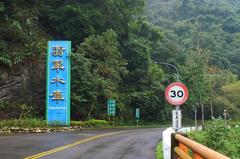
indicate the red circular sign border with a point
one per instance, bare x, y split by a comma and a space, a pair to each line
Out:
180, 85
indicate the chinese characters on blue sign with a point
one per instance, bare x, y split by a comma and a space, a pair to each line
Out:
58, 83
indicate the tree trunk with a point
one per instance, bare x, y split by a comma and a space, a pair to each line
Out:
202, 110
211, 105
20, 116
90, 111
211, 99
195, 110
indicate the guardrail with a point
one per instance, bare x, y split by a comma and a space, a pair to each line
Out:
185, 148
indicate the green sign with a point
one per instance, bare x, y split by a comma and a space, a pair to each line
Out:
111, 107
137, 113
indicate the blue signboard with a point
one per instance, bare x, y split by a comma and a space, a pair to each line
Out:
58, 83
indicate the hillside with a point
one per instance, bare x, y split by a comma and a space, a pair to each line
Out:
213, 24
206, 35
110, 53
115, 45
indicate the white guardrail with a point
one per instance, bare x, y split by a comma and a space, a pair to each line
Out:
167, 139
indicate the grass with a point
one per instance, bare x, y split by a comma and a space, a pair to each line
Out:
34, 123
159, 151
39, 123
23, 123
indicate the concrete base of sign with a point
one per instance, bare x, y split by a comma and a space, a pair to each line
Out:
167, 143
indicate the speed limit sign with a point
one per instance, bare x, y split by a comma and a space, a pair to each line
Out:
176, 93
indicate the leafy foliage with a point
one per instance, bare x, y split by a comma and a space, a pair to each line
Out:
14, 110
38, 123
18, 33
98, 70
220, 138
206, 35
213, 24
90, 123
115, 47
159, 151
23, 123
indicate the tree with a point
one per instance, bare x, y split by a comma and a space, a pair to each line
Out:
231, 93
217, 79
196, 77
101, 76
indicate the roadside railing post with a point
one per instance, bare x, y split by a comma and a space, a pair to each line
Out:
174, 143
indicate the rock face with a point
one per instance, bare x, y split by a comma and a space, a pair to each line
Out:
26, 81
9, 88
25, 85
23, 46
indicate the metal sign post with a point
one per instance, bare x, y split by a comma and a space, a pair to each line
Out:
137, 115
111, 110
176, 94
58, 83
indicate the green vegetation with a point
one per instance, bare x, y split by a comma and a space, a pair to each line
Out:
23, 123
38, 123
112, 47
90, 123
204, 34
159, 151
115, 45
220, 138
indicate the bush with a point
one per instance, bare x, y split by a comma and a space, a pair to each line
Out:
23, 123
199, 136
220, 138
14, 110
77, 123
159, 151
33, 123
90, 123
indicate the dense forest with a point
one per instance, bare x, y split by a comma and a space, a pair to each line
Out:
205, 33
115, 47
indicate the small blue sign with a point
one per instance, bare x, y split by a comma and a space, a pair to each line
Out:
58, 83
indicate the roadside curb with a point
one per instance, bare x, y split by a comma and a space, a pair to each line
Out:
39, 130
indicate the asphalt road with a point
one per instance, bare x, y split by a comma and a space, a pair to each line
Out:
85, 144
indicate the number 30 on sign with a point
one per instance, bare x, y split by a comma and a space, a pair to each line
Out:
176, 93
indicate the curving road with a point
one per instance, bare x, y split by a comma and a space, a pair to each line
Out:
87, 144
